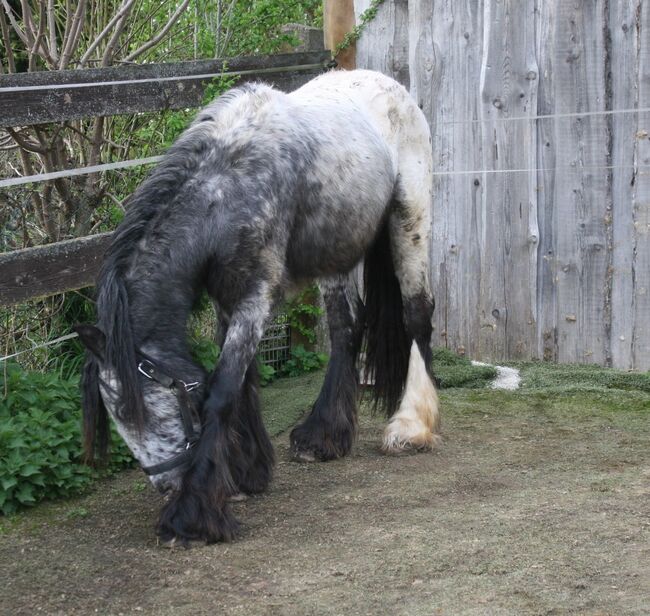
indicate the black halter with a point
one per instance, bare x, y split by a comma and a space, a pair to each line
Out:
147, 367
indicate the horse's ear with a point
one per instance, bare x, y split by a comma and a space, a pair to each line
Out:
93, 339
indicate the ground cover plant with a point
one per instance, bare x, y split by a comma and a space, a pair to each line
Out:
40, 440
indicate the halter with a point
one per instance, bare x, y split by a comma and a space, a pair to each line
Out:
147, 367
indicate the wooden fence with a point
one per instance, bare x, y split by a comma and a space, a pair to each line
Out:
541, 233
35, 98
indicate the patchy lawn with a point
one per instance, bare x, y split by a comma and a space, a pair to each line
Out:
538, 502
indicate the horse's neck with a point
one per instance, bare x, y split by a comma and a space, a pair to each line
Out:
159, 313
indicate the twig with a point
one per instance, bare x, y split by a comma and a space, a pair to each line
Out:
26, 144
161, 34
74, 34
51, 26
11, 64
120, 16
14, 24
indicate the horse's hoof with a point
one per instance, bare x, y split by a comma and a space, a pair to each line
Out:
302, 455
175, 542
396, 444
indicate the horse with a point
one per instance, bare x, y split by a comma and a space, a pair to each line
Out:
264, 192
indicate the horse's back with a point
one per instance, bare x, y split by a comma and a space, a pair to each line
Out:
385, 102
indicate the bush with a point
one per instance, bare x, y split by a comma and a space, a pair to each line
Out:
40, 439
302, 361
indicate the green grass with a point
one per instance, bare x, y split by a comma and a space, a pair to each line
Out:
451, 370
571, 378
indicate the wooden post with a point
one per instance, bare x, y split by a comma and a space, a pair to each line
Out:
338, 20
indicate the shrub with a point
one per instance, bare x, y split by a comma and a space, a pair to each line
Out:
302, 361
40, 439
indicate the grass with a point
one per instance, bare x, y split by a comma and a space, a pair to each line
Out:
571, 378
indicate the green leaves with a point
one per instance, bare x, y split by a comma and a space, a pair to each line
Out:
303, 361
40, 440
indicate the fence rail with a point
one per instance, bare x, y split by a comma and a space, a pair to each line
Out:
56, 96
35, 98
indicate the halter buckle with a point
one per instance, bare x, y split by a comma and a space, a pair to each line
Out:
148, 372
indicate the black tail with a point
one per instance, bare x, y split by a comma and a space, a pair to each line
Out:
387, 344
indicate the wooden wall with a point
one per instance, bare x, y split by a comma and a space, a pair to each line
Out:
550, 261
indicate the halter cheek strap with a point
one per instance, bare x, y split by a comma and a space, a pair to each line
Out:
149, 369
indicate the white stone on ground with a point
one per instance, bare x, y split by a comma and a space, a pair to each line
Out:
507, 378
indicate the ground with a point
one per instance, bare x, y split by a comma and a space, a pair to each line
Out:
538, 502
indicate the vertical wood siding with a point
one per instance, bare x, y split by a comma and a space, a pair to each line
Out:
551, 261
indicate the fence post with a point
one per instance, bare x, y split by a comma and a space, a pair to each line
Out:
338, 20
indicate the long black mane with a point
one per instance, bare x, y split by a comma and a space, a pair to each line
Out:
114, 318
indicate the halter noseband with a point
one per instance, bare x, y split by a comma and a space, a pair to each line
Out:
149, 369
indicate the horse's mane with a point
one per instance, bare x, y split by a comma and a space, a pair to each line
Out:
112, 299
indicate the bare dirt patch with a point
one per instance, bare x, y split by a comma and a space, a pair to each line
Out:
536, 504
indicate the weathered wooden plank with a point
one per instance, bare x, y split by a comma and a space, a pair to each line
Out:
508, 88
446, 41
641, 202
577, 200
34, 98
55, 268
383, 45
547, 299
624, 42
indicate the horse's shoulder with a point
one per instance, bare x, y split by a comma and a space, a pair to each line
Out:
247, 97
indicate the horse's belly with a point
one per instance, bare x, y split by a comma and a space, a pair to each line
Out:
335, 236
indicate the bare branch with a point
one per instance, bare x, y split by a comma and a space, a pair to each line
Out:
14, 23
30, 28
74, 34
51, 27
109, 52
119, 18
11, 64
25, 143
39, 40
161, 34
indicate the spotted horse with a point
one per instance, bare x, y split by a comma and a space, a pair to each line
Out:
264, 192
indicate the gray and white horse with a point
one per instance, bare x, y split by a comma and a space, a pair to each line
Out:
263, 192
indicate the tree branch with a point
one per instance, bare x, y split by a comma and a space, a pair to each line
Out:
26, 144
119, 18
51, 27
11, 64
161, 34
14, 24
74, 34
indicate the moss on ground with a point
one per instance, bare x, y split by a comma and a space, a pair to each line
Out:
451, 370
568, 378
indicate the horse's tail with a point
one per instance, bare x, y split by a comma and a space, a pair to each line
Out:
387, 342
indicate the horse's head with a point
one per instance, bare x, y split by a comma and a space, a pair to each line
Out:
152, 400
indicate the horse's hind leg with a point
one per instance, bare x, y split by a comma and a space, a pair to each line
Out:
416, 424
330, 429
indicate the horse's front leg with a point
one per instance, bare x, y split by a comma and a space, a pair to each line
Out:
200, 510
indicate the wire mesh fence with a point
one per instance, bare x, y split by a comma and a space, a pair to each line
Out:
275, 347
